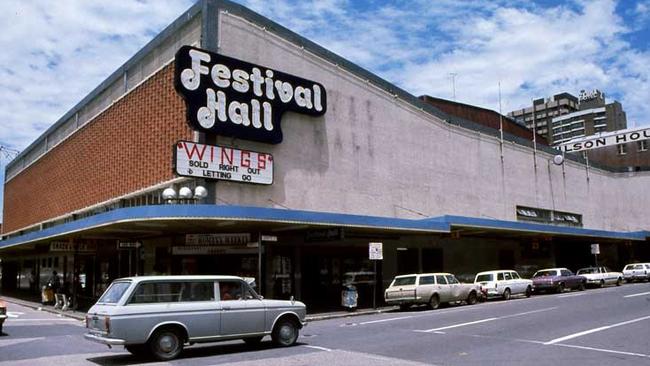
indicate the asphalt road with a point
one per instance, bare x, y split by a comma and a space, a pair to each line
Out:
608, 326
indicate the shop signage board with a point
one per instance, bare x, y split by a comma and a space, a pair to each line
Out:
217, 239
230, 97
128, 244
269, 238
217, 162
211, 250
604, 140
375, 251
65, 246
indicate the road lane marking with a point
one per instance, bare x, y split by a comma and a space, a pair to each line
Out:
437, 330
320, 348
640, 294
384, 320
45, 320
528, 312
456, 325
571, 295
580, 334
603, 350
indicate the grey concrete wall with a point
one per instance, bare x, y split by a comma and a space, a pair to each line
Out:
374, 154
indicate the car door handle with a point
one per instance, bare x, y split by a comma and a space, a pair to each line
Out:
226, 308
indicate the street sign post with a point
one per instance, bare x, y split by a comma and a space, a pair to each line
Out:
595, 250
375, 253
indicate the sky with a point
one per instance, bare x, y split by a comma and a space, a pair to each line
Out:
55, 52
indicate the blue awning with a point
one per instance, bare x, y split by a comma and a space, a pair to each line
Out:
219, 213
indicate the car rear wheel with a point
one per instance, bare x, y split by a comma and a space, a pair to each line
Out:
506, 294
619, 282
529, 291
602, 283
560, 288
582, 286
471, 299
285, 333
434, 302
166, 344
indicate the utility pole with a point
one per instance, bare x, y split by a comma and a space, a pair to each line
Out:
453, 85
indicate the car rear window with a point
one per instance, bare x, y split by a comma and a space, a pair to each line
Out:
114, 292
545, 273
587, 270
403, 281
484, 278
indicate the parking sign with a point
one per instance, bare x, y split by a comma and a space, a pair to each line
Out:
375, 251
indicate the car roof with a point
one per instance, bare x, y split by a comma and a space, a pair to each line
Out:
553, 269
496, 271
179, 278
426, 274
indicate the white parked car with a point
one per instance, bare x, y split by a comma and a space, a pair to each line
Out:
637, 272
431, 289
601, 276
503, 283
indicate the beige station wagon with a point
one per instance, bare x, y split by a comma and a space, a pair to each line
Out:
431, 289
159, 315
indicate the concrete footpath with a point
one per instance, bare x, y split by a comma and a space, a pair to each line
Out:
82, 315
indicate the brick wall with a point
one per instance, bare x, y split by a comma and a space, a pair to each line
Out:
126, 148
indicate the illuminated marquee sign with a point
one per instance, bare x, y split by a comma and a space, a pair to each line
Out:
217, 162
234, 98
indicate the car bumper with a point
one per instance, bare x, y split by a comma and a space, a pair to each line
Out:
104, 340
544, 286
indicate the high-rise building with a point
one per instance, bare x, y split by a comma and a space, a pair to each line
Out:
545, 110
565, 117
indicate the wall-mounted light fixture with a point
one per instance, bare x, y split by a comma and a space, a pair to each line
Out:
184, 194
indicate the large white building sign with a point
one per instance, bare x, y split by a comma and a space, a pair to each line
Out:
192, 159
611, 139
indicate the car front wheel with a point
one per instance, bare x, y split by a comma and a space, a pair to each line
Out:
529, 291
471, 299
619, 281
434, 302
285, 333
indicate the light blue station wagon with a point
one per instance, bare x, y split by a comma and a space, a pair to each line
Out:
159, 315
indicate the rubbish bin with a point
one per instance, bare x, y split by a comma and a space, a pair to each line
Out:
349, 297
47, 295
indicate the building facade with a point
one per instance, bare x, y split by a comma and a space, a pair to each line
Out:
545, 110
231, 145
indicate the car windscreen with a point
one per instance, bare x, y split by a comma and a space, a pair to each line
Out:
545, 273
484, 278
114, 292
404, 281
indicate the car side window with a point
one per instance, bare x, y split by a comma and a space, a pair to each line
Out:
515, 275
500, 277
172, 291
426, 280
230, 290
441, 280
451, 279
566, 273
507, 276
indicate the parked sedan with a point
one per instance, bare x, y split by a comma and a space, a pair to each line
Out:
503, 284
3, 314
429, 288
557, 279
601, 276
637, 272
